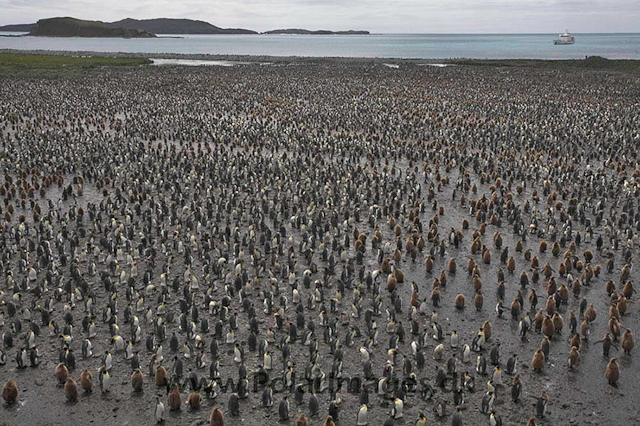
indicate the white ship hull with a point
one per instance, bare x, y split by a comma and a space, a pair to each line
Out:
563, 39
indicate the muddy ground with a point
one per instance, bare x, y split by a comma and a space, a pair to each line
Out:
578, 397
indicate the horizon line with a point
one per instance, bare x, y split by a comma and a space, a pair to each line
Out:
372, 33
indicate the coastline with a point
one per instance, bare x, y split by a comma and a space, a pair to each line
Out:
391, 47
590, 63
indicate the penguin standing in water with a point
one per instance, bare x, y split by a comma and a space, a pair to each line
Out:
361, 418
283, 409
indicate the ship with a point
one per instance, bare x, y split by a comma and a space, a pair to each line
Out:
564, 38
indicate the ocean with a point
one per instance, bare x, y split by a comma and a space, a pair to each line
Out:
421, 46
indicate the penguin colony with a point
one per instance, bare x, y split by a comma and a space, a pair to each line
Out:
471, 230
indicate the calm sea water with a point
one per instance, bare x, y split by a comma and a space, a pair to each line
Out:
435, 46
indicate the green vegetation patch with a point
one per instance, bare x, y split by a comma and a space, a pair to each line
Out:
37, 66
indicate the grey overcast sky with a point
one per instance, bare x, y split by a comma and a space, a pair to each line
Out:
380, 16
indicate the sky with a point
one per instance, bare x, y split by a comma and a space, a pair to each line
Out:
378, 16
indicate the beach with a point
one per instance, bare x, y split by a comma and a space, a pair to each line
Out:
238, 184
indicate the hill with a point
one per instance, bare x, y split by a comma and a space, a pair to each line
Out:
71, 27
128, 28
298, 31
25, 28
177, 26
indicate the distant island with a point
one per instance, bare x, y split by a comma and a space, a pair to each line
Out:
298, 31
134, 28
71, 27
177, 26
19, 28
